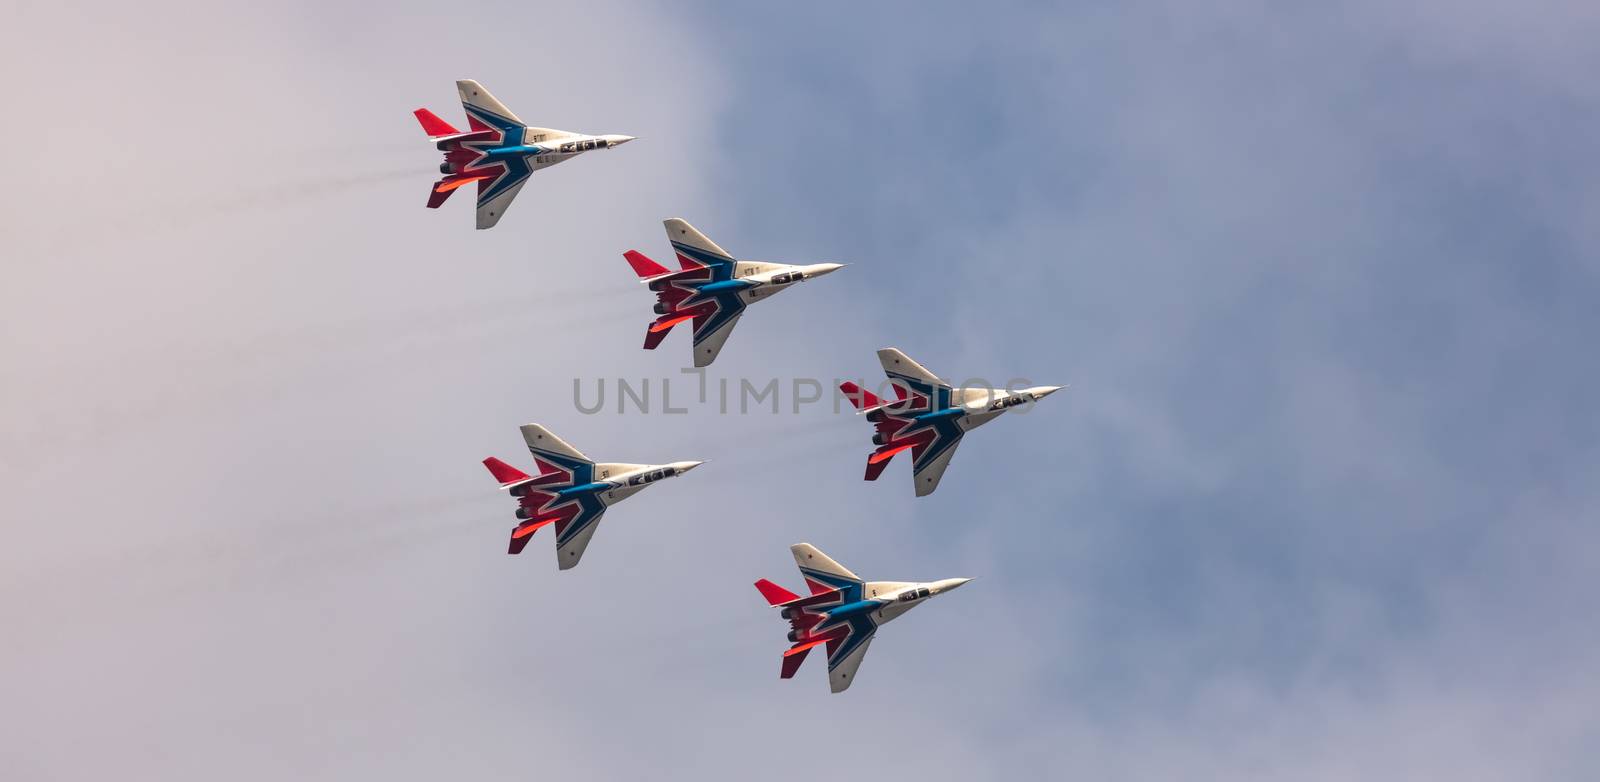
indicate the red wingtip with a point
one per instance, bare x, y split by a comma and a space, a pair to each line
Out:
432, 125
858, 396
643, 266
504, 473
775, 595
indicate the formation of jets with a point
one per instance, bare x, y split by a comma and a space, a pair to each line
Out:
710, 289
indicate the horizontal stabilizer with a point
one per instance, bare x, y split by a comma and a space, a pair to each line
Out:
860, 397
875, 467
524, 533
643, 265
654, 337
519, 542
793, 657
433, 126
775, 595
543, 443
666, 322
439, 193
505, 473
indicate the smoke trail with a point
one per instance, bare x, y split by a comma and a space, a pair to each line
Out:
272, 365
144, 219
288, 193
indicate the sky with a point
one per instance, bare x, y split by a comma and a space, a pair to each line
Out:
1319, 502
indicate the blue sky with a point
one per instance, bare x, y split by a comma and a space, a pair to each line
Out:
1319, 502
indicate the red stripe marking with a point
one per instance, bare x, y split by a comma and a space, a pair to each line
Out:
883, 456
805, 647
528, 529
667, 324
451, 184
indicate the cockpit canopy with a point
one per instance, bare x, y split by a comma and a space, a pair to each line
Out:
583, 146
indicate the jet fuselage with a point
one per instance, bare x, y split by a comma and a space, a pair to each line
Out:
885, 601
533, 150
613, 483
752, 285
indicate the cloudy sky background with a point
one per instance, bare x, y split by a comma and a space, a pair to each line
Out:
1320, 503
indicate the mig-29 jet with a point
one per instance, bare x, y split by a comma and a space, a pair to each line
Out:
497, 151
842, 611
712, 288
571, 491
929, 416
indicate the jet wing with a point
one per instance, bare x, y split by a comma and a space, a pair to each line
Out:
928, 467
494, 197
842, 666
573, 537
708, 346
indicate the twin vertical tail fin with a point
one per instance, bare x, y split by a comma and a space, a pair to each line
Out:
669, 297
486, 119
885, 416
799, 622
505, 473
775, 595
560, 466
860, 397
827, 581
457, 159
515, 480
644, 266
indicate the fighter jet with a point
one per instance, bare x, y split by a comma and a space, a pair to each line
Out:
498, 151
842, 611
571, 491
929, 416
711, 288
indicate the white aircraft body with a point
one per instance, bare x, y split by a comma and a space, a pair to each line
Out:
711, 288
571, 491
842, 611
929, 417
498, 151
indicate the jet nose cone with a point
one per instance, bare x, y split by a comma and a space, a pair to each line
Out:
948, 584
820, 269
617, 141
1040, 392
684, 467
